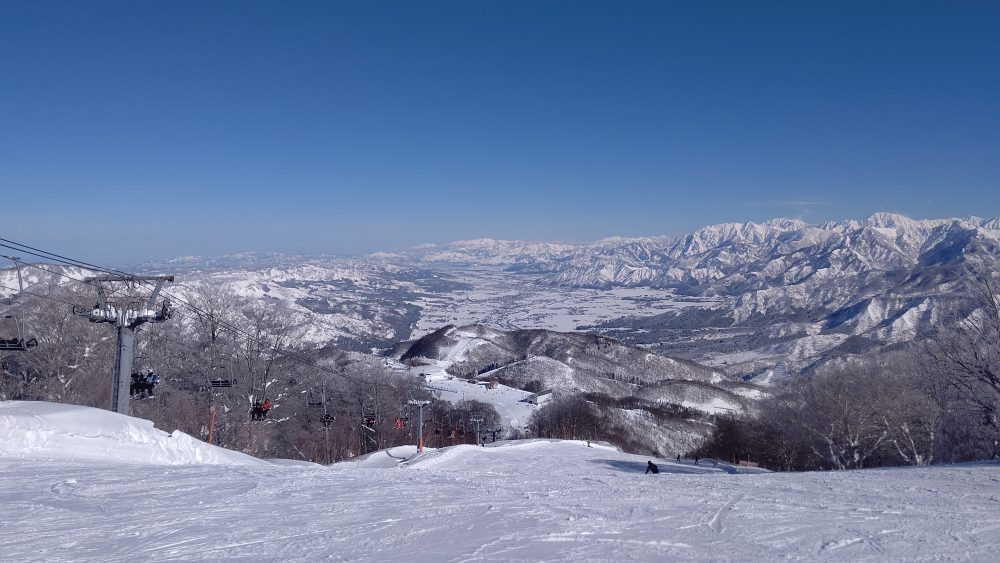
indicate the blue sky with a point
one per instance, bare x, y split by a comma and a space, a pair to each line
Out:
138, 130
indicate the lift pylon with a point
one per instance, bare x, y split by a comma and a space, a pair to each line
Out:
420, 424
127, 315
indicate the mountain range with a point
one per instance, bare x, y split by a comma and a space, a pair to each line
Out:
778, 291
741, 297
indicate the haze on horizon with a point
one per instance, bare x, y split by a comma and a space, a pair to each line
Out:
140, 131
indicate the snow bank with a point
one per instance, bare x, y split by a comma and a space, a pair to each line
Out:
41, 431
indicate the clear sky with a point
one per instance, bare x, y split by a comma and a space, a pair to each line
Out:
133, 130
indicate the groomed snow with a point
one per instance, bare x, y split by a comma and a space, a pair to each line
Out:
521, 501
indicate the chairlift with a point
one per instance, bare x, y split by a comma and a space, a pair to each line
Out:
222, 383
327, 420
14, 340
143, 384
368, 413
12, 335
259, 410
314, 399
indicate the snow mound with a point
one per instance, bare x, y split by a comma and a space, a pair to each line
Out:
41, 431
386, 458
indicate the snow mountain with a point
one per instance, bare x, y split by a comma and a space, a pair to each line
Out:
784, 290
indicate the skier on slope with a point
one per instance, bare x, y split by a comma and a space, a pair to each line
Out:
652, 468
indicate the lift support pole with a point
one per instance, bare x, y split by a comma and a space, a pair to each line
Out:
127, 318
123, 369
420, 421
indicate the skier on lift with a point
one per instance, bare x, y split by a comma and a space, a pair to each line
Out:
151, 381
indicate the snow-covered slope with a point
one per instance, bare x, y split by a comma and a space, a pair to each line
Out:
41, 431
525, 501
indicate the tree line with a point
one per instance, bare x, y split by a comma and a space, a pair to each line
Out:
936, 402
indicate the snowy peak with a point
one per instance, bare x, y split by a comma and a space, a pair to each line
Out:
489, 252
885, 228
888, 220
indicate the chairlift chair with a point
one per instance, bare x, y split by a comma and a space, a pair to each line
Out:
12, 336
315, 400
15, 341
222, 383
368, 413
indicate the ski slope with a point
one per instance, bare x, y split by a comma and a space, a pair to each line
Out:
518, 501
510, 403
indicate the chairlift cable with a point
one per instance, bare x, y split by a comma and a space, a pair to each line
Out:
52, 255
39, 295
60, 274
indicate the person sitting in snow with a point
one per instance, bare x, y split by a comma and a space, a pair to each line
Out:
652, 468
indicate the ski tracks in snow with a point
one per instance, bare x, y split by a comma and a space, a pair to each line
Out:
543, 501
717, 522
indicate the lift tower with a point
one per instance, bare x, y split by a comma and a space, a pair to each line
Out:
127, 314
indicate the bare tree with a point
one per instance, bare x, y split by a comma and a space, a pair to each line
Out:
967, 354
72, 362
570, 418
838, 410
910, 414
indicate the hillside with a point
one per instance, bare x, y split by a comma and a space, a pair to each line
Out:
567, 362
658, 402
